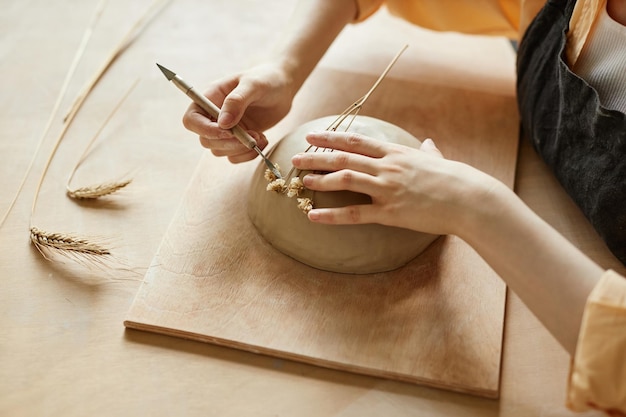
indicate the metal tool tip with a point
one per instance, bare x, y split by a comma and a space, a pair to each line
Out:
272, 167
168, 74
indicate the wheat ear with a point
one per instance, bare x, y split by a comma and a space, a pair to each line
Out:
64, 243
82, 246
96, 191
99, 190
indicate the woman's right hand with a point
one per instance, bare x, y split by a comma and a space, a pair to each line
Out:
256, 99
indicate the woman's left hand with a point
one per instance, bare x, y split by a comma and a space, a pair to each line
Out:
411, 188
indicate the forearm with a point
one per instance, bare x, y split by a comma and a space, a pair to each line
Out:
313, 27
551, 276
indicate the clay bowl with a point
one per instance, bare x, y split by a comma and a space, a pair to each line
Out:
353, 249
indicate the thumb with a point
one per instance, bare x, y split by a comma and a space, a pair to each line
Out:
234, 106
429, 147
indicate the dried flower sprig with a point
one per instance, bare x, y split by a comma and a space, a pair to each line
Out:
305, 204
296, 186
278, 186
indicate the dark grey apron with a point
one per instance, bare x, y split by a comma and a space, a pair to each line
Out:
583, 143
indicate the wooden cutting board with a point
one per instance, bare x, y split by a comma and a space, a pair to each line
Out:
437, 321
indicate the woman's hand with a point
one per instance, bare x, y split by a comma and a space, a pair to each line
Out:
420, 190
257, 99
260, 97
411, 188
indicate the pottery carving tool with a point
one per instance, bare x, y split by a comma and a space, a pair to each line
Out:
213, 111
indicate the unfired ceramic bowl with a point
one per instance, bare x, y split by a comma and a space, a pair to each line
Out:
354, 249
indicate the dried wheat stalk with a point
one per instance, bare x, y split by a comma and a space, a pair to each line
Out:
126, 41
98, 190
65, 243
355, 107
70, 73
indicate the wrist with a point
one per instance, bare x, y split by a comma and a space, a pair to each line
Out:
485, 204
292, 72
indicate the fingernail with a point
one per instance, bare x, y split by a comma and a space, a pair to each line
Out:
225, 119
308, 179
224, 134
295, 160
314, 133
314, 215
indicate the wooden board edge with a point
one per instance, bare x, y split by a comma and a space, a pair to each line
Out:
490, 394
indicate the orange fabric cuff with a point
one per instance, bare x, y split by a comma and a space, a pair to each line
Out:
366, 8
598, 372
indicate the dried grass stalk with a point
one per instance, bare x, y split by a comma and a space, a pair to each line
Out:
126, 41
70, 73
354, 108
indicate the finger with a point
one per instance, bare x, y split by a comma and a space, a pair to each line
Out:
235, 105
261, 139
334, 161
343, 180
229, 143
429, 147
249, 154
225, 146
358, 214
232, 145
233, 149
350, 142
200, 123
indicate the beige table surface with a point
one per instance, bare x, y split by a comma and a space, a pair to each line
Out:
63, 348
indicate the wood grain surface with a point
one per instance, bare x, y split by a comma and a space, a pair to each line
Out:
437, 321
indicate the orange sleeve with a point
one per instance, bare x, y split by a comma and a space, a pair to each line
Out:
598, 372
366, 8
507, 18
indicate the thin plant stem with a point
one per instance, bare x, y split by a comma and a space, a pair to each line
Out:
93, 139
122, 46
127, 40
354, 108
68, 77
64, 243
